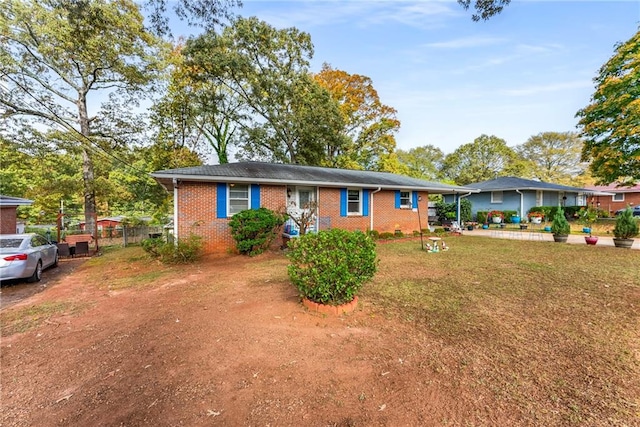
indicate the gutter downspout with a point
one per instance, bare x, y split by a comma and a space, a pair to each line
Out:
175, 211
371, 209
521, 204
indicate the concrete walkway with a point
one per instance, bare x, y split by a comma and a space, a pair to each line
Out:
540, 236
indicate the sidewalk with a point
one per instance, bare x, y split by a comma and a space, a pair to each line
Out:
540, 236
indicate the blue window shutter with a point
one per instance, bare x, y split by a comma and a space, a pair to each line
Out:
397, 199
343, 202
255, 196
221, 196
365, 202
414, 201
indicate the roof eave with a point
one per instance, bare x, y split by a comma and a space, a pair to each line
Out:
167, 181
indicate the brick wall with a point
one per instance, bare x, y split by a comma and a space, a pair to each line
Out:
197, 213
607, 203
8, 220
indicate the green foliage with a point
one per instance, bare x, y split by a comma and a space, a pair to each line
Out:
387, 235
331, 266
483, 159
609, 123
185, 251
449, 211
553, 156
264, 73
422, 162
482, 217
375, 234
560, 225
626, 225
254, 229
508, 215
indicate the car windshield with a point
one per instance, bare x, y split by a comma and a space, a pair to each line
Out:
10, 243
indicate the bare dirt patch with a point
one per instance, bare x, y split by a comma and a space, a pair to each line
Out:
227, 342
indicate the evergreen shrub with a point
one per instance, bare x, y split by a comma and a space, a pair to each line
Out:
331, 266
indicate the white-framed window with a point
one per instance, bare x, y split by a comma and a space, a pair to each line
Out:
581, 199
496, 196
238, 198
539, 198
618, 197
405, 199
354, 202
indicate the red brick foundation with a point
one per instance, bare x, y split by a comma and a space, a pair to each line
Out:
331, 309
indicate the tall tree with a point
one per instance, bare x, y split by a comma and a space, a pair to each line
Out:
610, 124
485, 158
193, 111
284, 115
203, 13
422, 162
57, 54
369, 125
554, 156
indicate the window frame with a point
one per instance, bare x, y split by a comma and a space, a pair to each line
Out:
409, 199
234, 186
353, 213
495, 199
614, 199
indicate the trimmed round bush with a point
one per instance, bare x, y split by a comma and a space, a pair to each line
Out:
254, 229
331, 266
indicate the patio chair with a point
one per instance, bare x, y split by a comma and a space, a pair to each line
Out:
63, 250
82, 248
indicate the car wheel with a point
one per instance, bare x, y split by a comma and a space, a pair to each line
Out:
55, 261
37, 273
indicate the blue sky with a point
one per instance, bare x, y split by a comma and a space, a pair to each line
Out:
525, 71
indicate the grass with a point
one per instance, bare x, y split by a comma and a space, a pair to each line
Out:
27, 318
551, 328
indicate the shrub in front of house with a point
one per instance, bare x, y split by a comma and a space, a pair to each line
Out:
183, 252
254, 229
331, 266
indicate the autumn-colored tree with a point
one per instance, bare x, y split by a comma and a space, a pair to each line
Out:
610, 124
369, 126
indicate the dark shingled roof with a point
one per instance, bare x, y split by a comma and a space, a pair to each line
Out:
14, 201
288, 174
505, 183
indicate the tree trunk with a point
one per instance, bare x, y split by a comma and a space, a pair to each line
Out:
87, 169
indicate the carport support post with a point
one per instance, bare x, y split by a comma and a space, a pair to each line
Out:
420, 222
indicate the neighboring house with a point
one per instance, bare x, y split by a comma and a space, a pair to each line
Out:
206, 197
8, 218
620, 197
518, 194
107, 226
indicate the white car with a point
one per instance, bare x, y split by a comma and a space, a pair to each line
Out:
24, 256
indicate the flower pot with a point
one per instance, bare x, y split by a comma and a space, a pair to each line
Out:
485, 226
547, 228
536, 220
496, 219
470, 227
623, 243
560, 238
586, 230
515, 219
591, 240
523, 226
331, 309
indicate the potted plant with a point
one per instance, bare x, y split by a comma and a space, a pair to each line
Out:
587, 217
560, 226
496, 216
626, 228
535, 217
